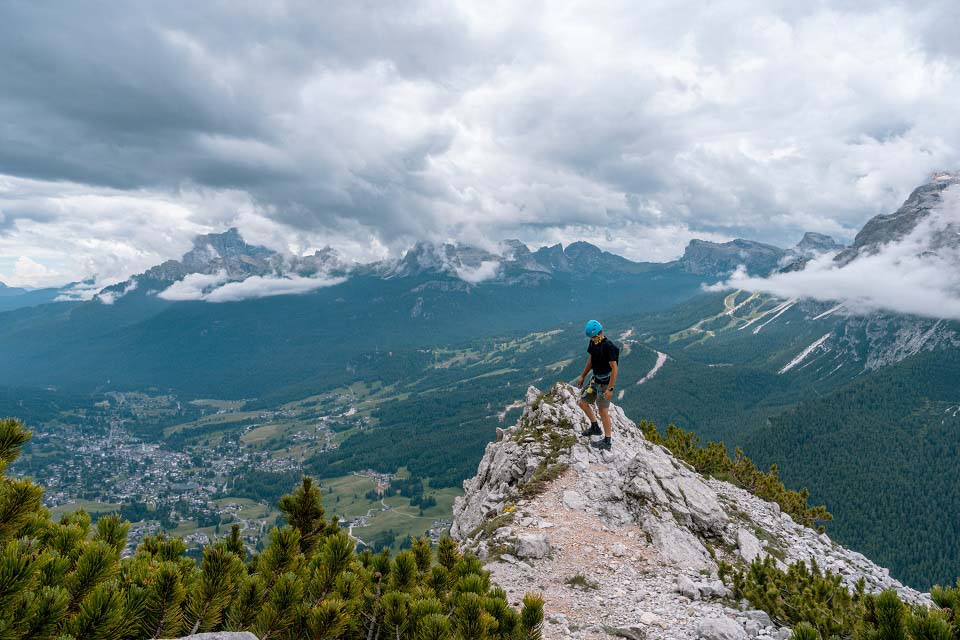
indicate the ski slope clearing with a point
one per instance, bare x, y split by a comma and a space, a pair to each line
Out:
803, 354
661, 359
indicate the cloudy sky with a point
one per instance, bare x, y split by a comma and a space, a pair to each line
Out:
128, 128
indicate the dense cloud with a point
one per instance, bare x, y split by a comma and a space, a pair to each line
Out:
919, 274
129, 128
218, 288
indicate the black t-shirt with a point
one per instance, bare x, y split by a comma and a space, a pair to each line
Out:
601, 355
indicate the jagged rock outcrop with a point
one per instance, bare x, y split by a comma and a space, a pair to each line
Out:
228, 254
641, 529
890, 227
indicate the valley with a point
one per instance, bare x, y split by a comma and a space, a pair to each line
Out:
388, 384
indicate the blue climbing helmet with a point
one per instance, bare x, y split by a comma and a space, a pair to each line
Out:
592, 329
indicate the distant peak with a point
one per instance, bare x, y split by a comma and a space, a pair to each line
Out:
581, 246
740, 243
715, 259
817, 243
945, 176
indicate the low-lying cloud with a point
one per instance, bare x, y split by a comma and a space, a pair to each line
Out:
486, 270
218, 288
919, 274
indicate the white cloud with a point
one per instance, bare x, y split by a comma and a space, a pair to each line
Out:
29, 272
109, 297
917, 275
486, 270
195, 286
84, 290
262, 287
652, 121
217, 288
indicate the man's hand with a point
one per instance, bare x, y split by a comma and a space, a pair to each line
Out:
608, 394
580, 382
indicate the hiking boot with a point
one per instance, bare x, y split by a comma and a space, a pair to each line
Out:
602, 445
594, 430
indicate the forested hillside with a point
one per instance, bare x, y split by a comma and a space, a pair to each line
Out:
883, 453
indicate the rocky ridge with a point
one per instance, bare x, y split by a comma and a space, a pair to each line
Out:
627, 541
886, 228
702, 257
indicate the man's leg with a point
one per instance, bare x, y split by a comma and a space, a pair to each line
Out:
607, 426
594, 429
587, 409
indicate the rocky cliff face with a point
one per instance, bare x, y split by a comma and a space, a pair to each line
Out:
891, 227
627, 539
702, 257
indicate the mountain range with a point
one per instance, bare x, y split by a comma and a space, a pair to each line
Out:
227, 256
288, 315
860, 406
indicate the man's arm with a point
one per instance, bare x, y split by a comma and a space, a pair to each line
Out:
586, 370
613, 377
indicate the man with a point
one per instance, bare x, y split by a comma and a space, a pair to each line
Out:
603, 358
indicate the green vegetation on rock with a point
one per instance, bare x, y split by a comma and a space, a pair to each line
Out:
819, 607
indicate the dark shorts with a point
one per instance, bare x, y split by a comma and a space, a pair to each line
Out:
593, 393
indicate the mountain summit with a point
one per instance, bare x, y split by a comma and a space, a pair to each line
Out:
891, 227
637, 525
813, 244
703, 257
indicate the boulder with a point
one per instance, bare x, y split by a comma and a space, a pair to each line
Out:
575, 501
748, 545
651, 619
720, 629
533, 546
714, 589
686, 587
760, 617
632, 632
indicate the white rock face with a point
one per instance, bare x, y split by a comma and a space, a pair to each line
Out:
721, 629
633, 521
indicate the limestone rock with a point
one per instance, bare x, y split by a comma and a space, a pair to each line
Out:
573, 500
748, 545
651, 619
760, 616
636, 522
633, 632
720, 629
533, 546
686, 587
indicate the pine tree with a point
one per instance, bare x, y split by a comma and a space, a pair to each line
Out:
67, 579
304, 512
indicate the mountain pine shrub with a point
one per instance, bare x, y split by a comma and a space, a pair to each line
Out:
66, 580
818, 606
714, 460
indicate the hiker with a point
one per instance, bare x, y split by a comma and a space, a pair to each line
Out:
602, 357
